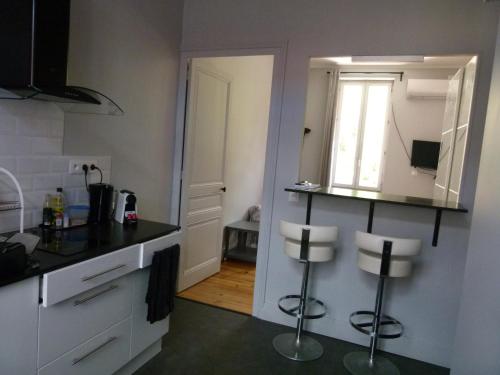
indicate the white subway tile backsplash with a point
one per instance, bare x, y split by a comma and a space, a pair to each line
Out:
34, 127
49, 181
32, 108
7, 125
31, 145
31, 165
10, 220
57, 129
59, 164
46, 146
9, 163
14, 145
7, 185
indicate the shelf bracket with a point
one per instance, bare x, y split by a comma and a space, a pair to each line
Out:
437, 224
370, 217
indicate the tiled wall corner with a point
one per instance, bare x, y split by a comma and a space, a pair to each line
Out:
31, 143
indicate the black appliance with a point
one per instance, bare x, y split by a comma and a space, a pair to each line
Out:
34, 38
100, 202
13, 258
425, 154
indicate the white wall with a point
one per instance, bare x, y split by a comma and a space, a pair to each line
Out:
416, 118
31, 143
128, 50
420, 119
248, 117
317, 93
427, 303
477, 345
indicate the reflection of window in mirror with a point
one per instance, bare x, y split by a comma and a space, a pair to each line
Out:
397, 125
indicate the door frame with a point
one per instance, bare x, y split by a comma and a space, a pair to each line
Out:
178, 202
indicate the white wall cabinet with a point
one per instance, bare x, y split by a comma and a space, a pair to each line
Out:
18, 327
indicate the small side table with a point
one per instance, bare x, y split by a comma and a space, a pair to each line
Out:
241, 251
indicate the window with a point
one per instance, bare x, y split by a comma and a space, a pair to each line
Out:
359, 134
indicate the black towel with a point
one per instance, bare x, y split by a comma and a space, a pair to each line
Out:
162, 283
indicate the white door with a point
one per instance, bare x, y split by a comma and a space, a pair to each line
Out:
203, 175
452, 106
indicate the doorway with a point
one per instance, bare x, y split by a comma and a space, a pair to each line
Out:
226, 128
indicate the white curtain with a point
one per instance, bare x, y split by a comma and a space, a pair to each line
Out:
329, 124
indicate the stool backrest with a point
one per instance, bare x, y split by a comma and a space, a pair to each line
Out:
322, 234
400, 246
309, 242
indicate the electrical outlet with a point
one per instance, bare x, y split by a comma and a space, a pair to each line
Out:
293, 196
75, 166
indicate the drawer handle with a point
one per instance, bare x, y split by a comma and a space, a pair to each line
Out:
100, 293
93, 351
87, 278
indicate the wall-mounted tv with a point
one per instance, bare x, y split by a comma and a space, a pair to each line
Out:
425, 154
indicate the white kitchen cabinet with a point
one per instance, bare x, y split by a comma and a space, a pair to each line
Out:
70, 281
144, 333
102, 355
19, 323
148, 248
86, 318
69, 323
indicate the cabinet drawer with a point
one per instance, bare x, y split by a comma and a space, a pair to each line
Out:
67, 324
70, 281
148, 248
102, 355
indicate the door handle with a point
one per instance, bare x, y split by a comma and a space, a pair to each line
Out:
223, 189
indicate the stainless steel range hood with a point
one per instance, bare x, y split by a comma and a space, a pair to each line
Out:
34, 36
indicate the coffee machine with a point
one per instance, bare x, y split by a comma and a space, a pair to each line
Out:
100, 202
126, 207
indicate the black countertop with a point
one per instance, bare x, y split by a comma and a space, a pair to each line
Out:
374, 196
87, 242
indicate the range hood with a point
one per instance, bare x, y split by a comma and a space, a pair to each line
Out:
34, 38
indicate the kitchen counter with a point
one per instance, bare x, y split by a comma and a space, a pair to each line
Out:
87, 242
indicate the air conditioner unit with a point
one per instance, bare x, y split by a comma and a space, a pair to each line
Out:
426, 88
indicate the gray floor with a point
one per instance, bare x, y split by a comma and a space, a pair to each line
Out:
208, 340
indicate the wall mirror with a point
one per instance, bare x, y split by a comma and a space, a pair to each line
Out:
391, 124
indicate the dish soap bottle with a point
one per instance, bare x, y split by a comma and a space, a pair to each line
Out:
58, 208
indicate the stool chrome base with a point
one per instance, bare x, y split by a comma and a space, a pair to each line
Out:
358, 363
307, 349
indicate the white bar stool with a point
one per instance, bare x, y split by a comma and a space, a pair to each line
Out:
307, 244
385, 257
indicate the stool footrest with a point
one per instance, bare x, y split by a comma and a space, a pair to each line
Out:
365, 324
291, 307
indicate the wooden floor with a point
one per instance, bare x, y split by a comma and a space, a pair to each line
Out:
231, 288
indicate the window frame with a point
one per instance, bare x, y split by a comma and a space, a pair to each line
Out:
366, 83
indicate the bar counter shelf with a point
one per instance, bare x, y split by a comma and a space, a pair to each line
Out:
375, 197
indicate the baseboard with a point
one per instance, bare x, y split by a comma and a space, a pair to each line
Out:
136, 363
